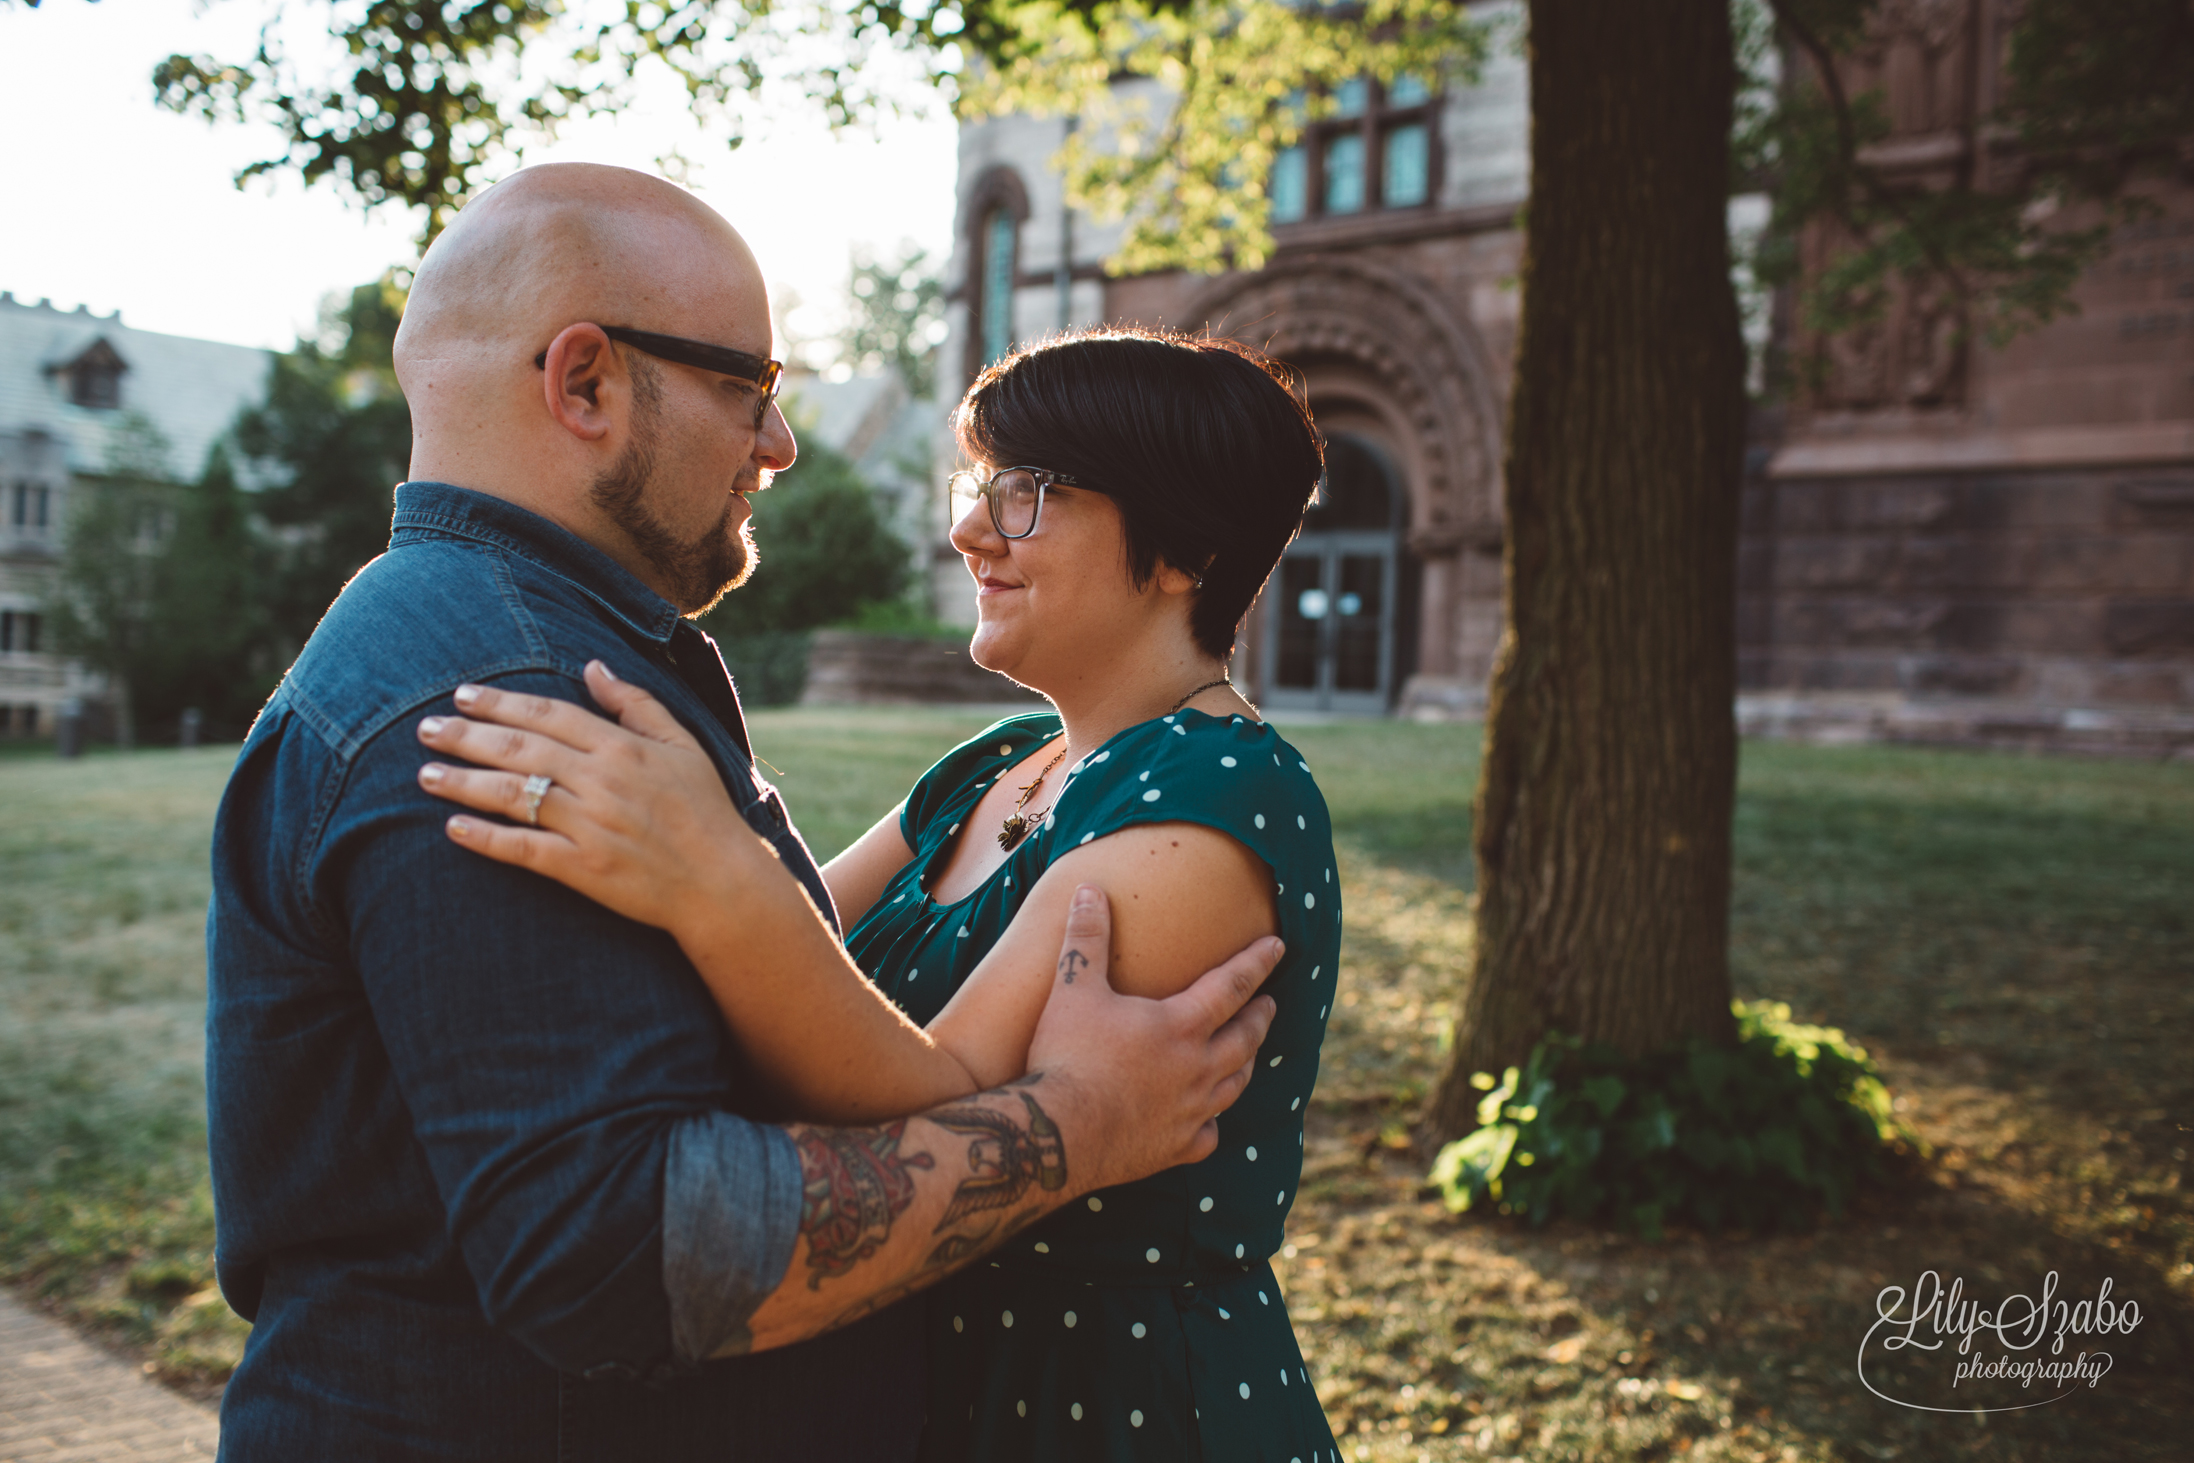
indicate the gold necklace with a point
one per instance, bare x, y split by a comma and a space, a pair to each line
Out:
1016, 827
1191, 696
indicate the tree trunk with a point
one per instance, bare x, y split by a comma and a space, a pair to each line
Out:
1602, 820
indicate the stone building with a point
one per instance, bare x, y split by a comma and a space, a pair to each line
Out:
1942, 538
78, 394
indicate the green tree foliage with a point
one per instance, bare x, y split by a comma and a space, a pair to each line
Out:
825, 556
160, 592
207, 647
1185, 162
335, 436
898, 317
436, 101
104, 612
2096, 102
439, 92
823, 551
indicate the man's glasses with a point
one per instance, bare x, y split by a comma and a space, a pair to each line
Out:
1016, 497
762, 374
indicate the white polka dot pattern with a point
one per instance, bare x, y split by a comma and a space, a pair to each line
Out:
1079, 1269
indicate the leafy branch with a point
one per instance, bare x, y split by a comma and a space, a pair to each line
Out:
436, 94
1185, 104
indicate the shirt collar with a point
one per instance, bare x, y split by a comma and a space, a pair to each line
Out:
426, 510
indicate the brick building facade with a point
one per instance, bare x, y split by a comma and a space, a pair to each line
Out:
1937, 533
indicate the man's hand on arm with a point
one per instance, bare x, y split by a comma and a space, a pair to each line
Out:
1118, 1088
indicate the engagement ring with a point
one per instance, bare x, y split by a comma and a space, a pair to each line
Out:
537, 788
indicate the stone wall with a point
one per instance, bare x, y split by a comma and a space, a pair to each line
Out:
2068, 588
845, 669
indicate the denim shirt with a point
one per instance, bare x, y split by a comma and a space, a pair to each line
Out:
479, 1180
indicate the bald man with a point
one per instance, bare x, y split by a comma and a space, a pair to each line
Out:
483, 1182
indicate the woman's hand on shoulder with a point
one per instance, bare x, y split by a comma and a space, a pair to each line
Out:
636, 816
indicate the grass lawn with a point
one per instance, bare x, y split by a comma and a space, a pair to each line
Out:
2011, 938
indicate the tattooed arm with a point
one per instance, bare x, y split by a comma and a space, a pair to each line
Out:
1119, 1087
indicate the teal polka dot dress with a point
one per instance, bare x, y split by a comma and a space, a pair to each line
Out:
1142, 1321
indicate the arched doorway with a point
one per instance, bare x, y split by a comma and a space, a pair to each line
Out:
1334, 636
1392, 361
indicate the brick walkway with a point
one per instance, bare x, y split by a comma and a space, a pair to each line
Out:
62, 1401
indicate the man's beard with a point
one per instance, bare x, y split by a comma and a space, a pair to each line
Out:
695, 573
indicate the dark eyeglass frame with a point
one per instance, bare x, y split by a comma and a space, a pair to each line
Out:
985, 490
763, 374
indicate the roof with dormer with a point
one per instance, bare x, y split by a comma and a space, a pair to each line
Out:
191, 390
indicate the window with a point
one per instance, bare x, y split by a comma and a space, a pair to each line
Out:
1001, 235
1375, 150
30, 507
19, 631
94, 376
992, 212
97, 386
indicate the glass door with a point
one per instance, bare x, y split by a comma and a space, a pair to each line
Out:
1331, 633
1334, 625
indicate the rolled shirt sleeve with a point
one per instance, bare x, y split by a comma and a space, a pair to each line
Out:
731, 1212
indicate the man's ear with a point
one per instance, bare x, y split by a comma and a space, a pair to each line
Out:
580, 379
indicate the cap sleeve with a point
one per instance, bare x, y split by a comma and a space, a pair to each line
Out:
1229, 773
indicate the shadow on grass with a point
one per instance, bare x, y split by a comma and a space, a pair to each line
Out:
2009, 937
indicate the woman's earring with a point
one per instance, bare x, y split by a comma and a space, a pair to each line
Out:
1199, 584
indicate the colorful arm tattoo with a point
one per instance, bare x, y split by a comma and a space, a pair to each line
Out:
857, 1182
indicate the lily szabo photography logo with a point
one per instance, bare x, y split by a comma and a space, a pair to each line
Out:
1939, 1350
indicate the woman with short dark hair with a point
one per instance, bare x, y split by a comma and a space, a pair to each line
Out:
1132, 492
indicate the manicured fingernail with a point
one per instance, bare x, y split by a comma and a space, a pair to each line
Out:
1279, 946
466, 695
607, 673
431, 727
432, 773
460, 827
1086, 896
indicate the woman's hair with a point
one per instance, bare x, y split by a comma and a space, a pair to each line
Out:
1205, 444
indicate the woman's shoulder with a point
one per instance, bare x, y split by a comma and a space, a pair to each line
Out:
975, 762
1233, 772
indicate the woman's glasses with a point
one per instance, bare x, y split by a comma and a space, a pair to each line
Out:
1016, 497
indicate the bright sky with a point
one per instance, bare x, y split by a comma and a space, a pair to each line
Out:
116, 203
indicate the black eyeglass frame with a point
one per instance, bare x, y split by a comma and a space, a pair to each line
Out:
760, 372
1045, 477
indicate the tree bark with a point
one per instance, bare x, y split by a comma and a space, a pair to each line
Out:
1602, 819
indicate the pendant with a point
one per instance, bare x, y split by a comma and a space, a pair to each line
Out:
1015, 829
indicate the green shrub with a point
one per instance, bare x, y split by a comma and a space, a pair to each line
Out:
822, 551
1762, 1135
770, 666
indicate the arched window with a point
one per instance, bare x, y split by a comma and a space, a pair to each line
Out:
995, 210
1000, 247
